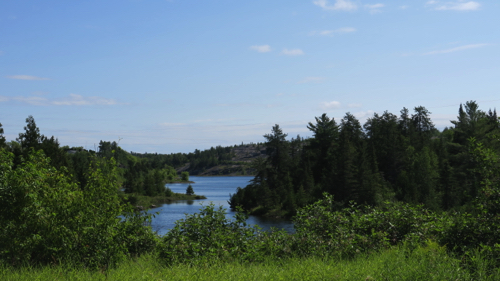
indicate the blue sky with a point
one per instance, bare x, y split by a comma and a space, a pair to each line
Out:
172, 76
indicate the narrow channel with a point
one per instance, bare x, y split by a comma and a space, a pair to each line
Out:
217, 190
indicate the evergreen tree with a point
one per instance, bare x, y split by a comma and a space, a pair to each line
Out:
2, 138
189, 190
31, 138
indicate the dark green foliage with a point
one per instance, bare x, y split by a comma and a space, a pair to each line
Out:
189, 190
404, 159
2, 138
31, 138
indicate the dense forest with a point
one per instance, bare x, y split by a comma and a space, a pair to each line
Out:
389, 158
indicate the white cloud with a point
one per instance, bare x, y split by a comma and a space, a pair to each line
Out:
456, 49
460, 5
26, 77
363, 114
341, 30
292, 52
73, 99
311, 80
31, 100
404, 7
329, 105
340, 5
374, 8
261, 48
351, 105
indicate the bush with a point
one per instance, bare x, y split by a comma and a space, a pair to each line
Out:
46, 218
209, 236
362, 228
185, 176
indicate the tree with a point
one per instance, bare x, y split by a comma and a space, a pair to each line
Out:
423, 127
185, 176
189, 190
32, 137
323, 147
2, 138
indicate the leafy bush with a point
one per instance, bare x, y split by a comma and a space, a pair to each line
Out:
355, 229
209, 236
46, 218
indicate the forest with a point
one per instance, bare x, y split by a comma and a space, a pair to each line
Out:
392, 199
390, 158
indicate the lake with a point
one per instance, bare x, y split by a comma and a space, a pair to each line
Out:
217, 190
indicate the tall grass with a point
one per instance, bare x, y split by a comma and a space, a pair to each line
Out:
398, 263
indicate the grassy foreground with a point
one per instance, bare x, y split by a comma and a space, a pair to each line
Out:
428, 263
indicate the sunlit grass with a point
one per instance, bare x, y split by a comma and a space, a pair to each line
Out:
393, 264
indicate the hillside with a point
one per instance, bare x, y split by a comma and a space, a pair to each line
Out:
238, 165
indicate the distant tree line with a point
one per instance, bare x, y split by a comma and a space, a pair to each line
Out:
390, 158
142, 176
197, 160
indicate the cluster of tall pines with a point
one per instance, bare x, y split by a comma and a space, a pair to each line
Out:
389, 158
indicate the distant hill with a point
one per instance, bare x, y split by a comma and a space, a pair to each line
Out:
241, 157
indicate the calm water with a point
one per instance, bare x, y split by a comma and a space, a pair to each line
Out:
217, 190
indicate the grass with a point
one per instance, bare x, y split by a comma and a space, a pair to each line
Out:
399, 263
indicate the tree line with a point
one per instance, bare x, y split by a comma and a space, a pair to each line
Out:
138, 175
389, 158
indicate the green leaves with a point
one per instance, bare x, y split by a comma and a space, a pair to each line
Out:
45, 217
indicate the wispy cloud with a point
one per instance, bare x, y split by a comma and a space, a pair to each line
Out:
352, 105
456, 49
341, 30
311, 80
339, 5
330, 105
166, 124
73, 99
261, 48
26, 77
460, 5
292, 52
363, 114
374, 8
404, 7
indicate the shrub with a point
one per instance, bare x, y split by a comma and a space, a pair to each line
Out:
46, 218
361, 228
209, 236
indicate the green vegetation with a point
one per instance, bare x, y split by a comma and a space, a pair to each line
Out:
189, 190
63, 215
426, 263
389, 158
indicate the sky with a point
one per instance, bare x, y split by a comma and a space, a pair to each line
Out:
172, 76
